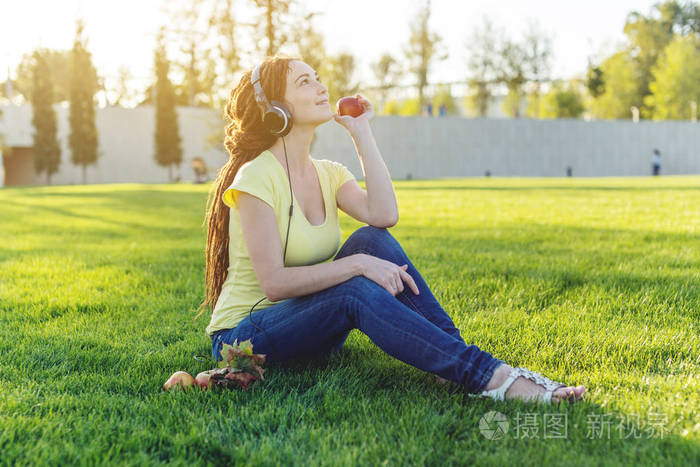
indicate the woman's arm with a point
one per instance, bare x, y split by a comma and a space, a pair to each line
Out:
381, 199
288, 282
264, 245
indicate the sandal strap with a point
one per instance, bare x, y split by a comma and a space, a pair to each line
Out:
550, 386
499, 393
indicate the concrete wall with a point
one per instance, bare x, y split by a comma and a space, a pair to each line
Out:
435, 147
419, 147
125, 144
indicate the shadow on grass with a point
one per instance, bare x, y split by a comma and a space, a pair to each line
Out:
120, 223
538, 254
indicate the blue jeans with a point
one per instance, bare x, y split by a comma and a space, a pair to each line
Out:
412, 328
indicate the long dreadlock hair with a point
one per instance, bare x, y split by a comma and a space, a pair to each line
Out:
245, 138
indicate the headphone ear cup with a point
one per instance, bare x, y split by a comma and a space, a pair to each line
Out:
281, 123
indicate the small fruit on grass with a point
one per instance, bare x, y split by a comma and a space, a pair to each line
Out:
350, 106
203, 379
179, 380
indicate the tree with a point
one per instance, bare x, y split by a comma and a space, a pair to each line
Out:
122, 90
168, 149
58, 61
483, 47
422, 50
339, 70
443, 96
649, 35
562, 101
621, 87
511, 72
391, 107
388, 71
83, 86
595, 82
675, 80
197, 89
537, 49
274, 23
189, 30
311, 49
47, 151
406, 107
310, 45
223, 22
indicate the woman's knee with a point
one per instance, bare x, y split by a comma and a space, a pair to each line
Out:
369, 233
369, 239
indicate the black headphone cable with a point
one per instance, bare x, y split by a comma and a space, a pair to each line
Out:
291, 210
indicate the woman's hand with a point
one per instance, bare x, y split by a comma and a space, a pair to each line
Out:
387, 274
356, 124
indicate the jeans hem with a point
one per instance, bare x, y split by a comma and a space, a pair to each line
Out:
488, 373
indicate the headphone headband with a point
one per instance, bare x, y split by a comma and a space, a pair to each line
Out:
259, 93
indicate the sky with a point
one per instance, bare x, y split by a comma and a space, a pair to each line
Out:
123, 32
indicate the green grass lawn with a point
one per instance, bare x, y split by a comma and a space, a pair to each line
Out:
588, 281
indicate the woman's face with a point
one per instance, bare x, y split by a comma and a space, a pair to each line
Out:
306, 96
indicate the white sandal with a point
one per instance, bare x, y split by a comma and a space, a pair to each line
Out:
550, 386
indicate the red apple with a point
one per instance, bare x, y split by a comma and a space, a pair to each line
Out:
179, 380
350, 106
203, 379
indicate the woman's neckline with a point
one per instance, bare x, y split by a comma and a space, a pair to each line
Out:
323, 196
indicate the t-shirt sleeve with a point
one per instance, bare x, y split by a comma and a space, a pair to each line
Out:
252, 179
339, 174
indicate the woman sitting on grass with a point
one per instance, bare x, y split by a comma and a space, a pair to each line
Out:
316, 293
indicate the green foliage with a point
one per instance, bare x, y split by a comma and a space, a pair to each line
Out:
621, 88
562, 101
595, 82
47, 151
590, 281
392, 107
484, 51
533, 103
82, 140
512, 71
422, 51
650, 34
387, 71
477, 100
512, 102
337, 74
443, 95
403, 107
410, 107
310, 44
197, 87
60, 64
168, 147
641, 74
676, 80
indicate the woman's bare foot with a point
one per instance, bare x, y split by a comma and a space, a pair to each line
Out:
525, 389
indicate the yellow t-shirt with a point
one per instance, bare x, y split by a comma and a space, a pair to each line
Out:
266, 178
